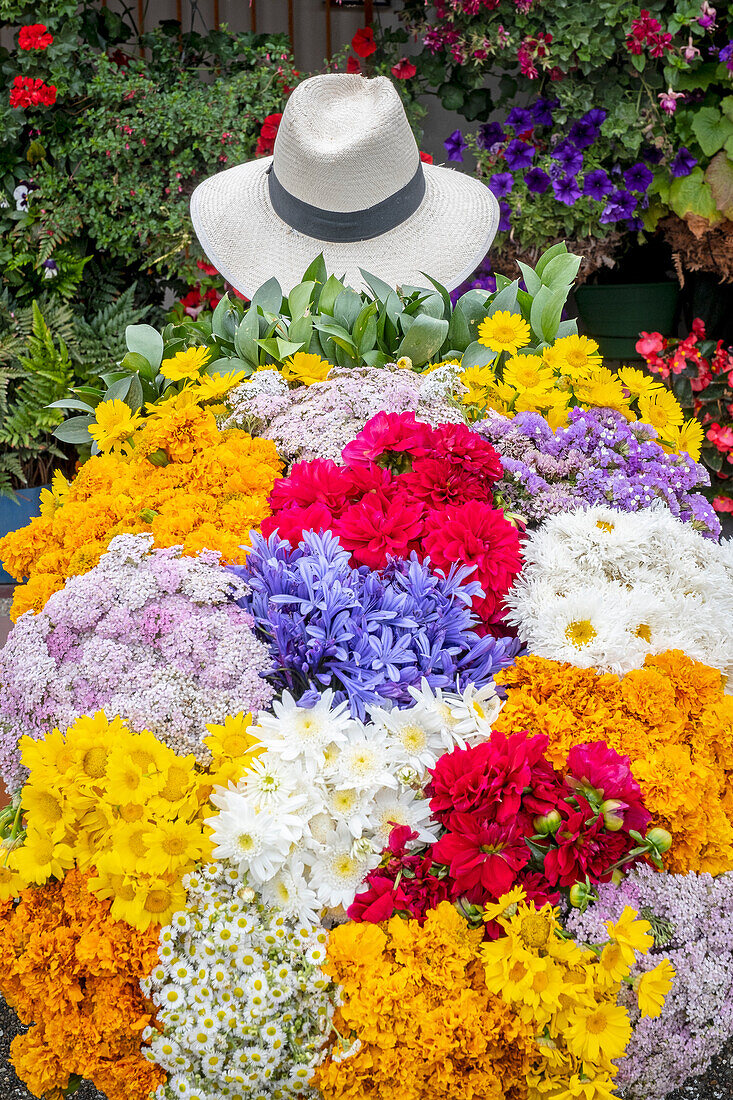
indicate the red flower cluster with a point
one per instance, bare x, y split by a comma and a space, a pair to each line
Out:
646, 30
25, 91
532, 50
406, 487
268, 133
406, 882
403, 70
34, 37
363, 43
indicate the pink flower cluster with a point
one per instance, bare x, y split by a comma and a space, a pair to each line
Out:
407, 486
647, 31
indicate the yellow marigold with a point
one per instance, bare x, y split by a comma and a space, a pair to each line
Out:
185, 364
504, 331
306, 369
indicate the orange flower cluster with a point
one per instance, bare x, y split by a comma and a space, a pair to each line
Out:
422, 1022
673, 721
67, 965
211, 492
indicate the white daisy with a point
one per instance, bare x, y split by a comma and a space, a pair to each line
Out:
257, 842
303, 733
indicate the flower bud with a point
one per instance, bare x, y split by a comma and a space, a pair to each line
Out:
612, 819
660, 838
547, 824
405, 363
158, 458
580, 895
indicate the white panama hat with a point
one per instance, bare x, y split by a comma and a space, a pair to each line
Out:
346, 180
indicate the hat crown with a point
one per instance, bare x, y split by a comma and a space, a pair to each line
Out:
344, 142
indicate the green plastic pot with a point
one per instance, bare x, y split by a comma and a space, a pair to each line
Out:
615, 314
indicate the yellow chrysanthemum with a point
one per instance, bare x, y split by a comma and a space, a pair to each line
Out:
185, 364
232, 740
115, 423
528, 372
306, 369
214, 386
504, 331
631, 934
661, 410
44, 855
599, 1033
573, 355
638, 382
653, 987
171, 844
476, 380
688, 438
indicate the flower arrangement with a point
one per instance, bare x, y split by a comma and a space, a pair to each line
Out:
604, 589
242, 1002
151, 635
407, 487
700, 374
691, 922
670, 718
370, 636
184, 482
600, 458
73, 971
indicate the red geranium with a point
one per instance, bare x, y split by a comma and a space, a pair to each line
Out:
352, 65
268, 133
27, 92
363, 43
36, 36
404, 69
482, 860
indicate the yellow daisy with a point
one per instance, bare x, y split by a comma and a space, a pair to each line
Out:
170, 844
212, 387
573, 354
661, 410
638, 382
599, 1033
232, 739
306, 369
688, 438
653, 987
506, 906
504, 331
185, 364
631, 934
115, 423
528, 372
601, 389
44, 855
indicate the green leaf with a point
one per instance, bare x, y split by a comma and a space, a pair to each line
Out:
75, 430
347, 308
424, 339
300, 331
532, 280
375, 358
300, 298
119, 390
378, 287
546, 311
227, 366
719, 175
432, 306
459, 332
268, 297
224, 320
339, 336
475, 309
561, 269
505, 299
476, 355
545, 258
145, 341
136, 362
246, 335
566, 328
278, 348
692, 195
70, 403
361, 323
712, 129
445, 295
316, 271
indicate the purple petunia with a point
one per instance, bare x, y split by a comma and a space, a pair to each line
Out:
638, 177
582, 133
501, 184
454, 146
505, 223
726, 56
568, 157
489, 135
651, 154
566, 190
620, 205
520, 118
542, 111
683, 163
537, 181
519, 155
597, 184
596, 116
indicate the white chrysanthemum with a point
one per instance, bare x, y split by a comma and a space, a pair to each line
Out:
413, 741
350, 806
474, 711
256, 841
303, 733
274, 785
290, 892
365, 761
391, 808
339, 869
443, 713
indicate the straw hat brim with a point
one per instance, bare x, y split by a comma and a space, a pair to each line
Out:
242, 236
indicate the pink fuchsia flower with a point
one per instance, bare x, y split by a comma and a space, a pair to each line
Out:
668, 100
707, 16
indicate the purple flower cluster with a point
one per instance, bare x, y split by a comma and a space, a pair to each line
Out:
600, 458
368, 635
692, 916
147, 634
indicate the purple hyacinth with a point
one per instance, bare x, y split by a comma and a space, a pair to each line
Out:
568, 157
520, 118
501, 184
596, 184
566, 190
683, 163
519, 154
489, 135
537, 181
454, 146
638, 177
329, 625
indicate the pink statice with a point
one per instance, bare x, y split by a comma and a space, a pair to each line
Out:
148, 634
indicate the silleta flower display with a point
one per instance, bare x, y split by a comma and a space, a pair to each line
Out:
384, 751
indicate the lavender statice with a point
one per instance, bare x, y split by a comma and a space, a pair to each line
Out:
318, 421
369, 636
692, 918
147, 634
600, 458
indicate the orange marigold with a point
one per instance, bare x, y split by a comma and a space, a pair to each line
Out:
670, 717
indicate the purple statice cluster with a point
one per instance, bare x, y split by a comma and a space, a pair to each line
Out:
147, 634
318, 421
692, 918
600, 458
368, 635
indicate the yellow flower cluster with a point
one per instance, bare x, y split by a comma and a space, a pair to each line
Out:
570, 373
70, 969
671, 718
567, 994
179, 478
418, 1017
124, 807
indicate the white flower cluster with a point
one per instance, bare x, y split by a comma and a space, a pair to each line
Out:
311, 817
244, 1007
603, 589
